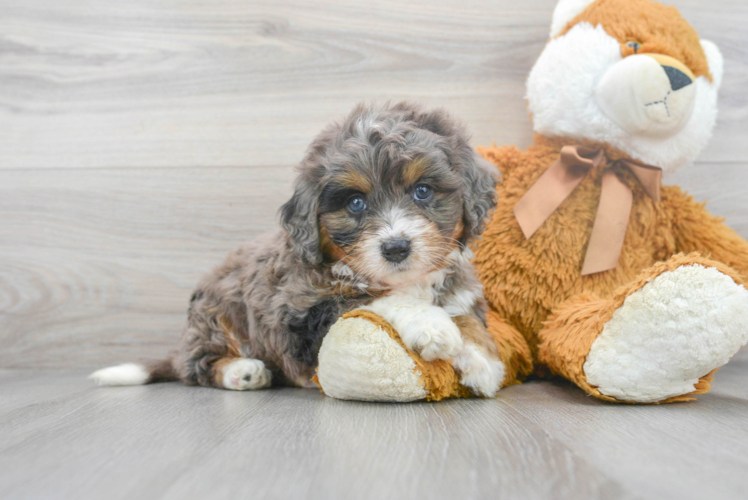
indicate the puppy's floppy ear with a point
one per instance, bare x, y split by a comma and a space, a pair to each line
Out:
299, 219
480, 178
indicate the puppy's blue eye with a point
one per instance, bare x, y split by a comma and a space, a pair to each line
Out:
422, 192
356, 204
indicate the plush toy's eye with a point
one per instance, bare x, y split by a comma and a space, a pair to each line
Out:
356, 204
634, 45
422, 192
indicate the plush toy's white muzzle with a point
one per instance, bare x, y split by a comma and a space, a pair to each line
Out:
648, 94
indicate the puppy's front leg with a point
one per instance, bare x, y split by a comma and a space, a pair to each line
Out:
424, 328
478, 362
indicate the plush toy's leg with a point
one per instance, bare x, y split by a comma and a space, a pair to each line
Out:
658, 339
513, 349
362, 357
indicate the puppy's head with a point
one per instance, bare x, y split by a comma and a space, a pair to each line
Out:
391, 192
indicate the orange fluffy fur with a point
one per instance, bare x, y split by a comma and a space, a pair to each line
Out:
534, 286
658, 28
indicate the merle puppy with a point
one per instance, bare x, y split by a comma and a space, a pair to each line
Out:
385, 205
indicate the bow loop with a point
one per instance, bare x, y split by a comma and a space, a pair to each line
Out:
614, 210
579, 159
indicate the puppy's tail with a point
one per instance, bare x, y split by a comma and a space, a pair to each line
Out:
147, 372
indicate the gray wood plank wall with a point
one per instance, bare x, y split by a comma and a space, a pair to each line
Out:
141, 140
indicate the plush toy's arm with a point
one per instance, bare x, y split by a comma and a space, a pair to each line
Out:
696, 230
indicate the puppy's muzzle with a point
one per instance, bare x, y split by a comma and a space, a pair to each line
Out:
396, 250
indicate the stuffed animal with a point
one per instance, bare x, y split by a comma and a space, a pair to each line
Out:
593, 271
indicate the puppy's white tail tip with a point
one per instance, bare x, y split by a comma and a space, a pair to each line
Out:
125, 374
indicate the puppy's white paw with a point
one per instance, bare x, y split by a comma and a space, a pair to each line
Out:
478, 372
246, 374
433, 335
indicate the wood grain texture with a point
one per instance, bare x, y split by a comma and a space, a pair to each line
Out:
63, 438
98, 265
95, 83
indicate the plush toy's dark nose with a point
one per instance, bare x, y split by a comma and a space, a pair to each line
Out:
678, 79
396, 250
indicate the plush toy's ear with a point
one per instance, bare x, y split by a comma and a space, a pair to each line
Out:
565, 11
715, 60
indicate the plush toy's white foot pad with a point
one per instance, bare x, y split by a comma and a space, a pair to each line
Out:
478, 372
677, 328
246, 374
358, 360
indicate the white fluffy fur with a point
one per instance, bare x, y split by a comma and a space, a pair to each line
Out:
423, 327
676, 329
246, 374
125, 374
478, 372
429, 330
565, 11
461, 302
399, 225
360, 361
561, 96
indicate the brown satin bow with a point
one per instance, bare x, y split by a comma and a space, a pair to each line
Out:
609, 230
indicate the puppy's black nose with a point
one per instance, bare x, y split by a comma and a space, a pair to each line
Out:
396, 250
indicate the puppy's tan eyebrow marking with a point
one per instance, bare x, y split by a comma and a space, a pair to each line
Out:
355, 180
413, 171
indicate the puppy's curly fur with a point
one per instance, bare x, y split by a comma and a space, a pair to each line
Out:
385, 205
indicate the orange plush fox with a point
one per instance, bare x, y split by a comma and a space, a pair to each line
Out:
592, 270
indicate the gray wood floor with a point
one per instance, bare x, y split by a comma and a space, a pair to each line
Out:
62, 438
142, 140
